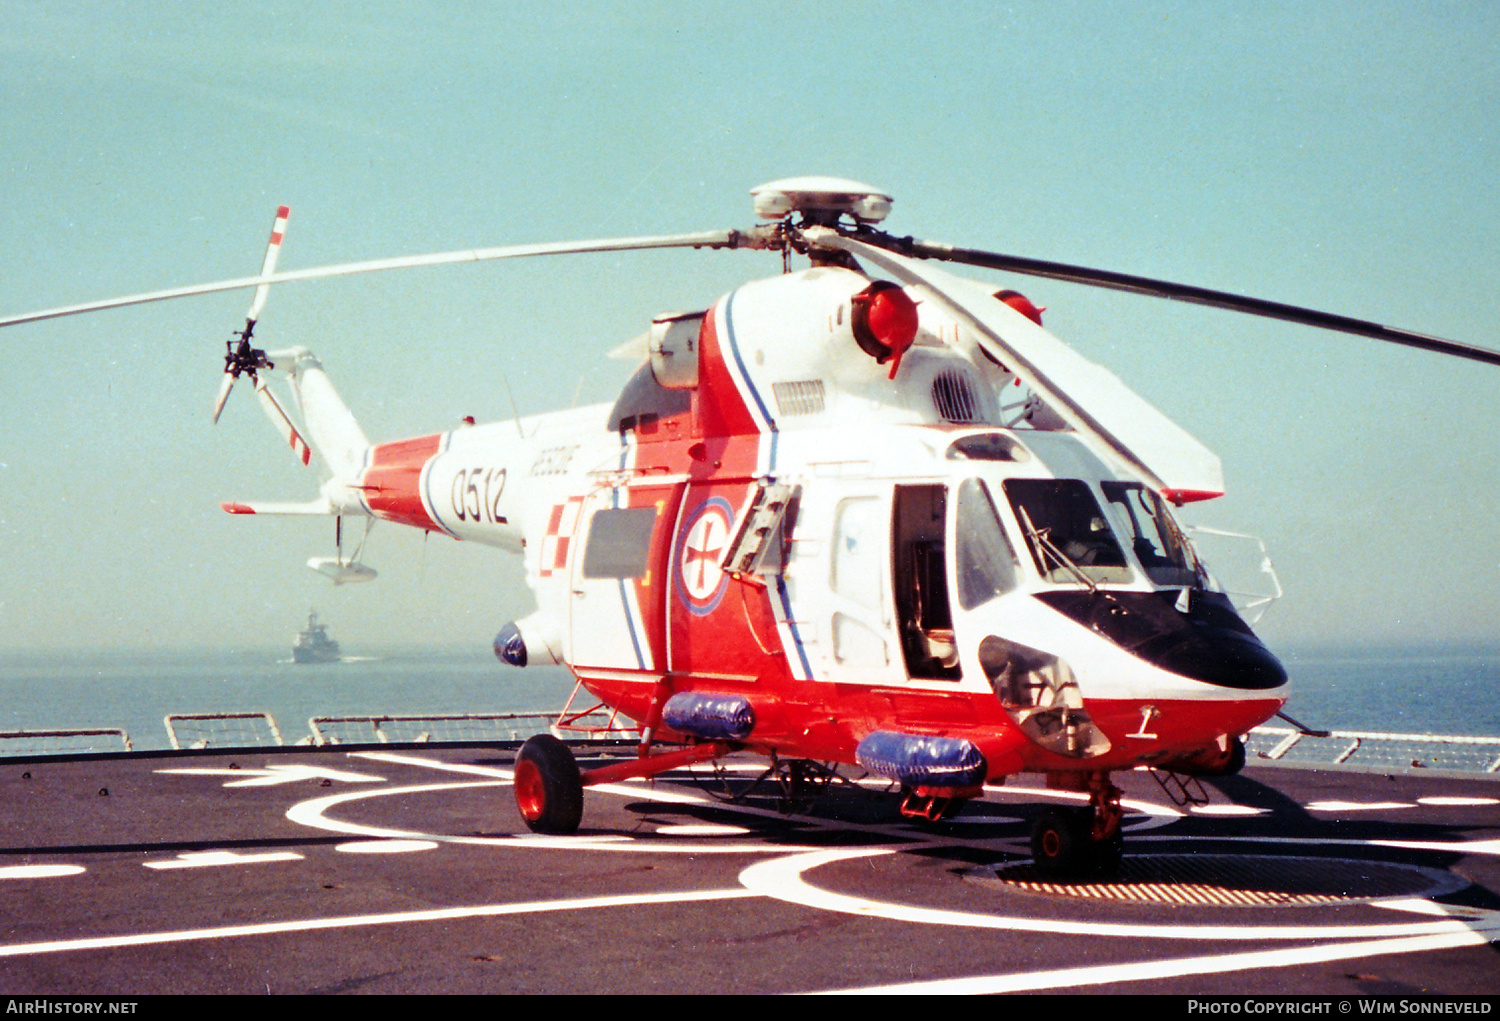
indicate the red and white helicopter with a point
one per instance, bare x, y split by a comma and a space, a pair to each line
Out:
815, 526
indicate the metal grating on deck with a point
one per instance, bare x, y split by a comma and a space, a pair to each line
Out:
1234, 881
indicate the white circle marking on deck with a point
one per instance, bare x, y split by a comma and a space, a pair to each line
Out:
386, 846
783, 879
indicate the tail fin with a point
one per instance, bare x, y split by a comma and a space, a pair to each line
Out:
331, 429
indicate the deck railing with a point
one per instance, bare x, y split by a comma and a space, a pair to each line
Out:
1283, 745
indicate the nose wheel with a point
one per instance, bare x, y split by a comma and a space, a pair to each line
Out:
1080, 843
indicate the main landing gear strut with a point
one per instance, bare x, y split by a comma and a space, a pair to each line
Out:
1081, 842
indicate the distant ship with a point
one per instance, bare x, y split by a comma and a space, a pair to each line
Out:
313, 644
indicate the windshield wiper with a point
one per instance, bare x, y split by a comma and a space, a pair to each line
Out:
1041, 541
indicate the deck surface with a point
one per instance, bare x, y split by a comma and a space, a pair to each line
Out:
409, 871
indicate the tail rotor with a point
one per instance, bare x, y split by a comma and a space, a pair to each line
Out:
244, 358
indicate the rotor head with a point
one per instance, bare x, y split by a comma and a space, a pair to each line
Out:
821, 200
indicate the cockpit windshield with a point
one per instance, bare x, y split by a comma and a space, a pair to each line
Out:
1069, 536
1155, 538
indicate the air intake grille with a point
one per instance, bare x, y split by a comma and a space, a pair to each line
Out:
799, 397
953, 396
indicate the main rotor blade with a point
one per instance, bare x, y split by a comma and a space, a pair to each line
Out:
1180, 292
1089, 397
704, 239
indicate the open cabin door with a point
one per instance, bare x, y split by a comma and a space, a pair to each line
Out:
919, 564
878, 597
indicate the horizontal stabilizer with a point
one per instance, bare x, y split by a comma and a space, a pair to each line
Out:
319, 506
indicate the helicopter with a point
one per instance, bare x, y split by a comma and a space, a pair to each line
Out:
864, 512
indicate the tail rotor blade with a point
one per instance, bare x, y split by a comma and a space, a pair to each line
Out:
273, 252
224, 389
289, 431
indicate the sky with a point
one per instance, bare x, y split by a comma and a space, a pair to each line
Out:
1338, 155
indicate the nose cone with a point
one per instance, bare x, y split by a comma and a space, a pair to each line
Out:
1218, 656
1207, 642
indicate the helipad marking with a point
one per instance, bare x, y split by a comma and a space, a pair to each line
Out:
211, 859
1432, 907
438, 764
357, 921
39, 871
1152, 815
782, 879
703, 830
1456, 846
278, 774
386, 846
1444, 846
1356, 806
1141, 971
312, 814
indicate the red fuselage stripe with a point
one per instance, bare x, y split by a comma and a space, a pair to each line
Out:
392, 484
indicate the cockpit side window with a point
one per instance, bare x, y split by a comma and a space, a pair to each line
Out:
1155, 538
985, 563
1070, 538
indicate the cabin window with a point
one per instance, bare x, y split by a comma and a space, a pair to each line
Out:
859, 550
1069, 536
1154, 537
619, 543
987, 447
860, 555
986, 562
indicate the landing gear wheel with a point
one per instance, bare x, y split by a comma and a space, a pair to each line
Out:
1062, 846
1107, 854
1060, 843
549, 790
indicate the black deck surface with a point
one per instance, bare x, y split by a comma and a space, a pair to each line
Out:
408, 871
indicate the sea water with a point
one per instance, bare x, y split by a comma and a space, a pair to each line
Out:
1437, 690
135, 690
